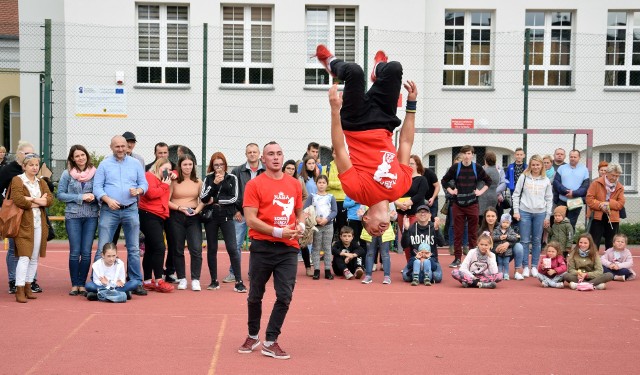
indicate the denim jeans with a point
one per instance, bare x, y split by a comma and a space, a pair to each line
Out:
422, 268
436, 272
531, 226
518, 254
384, 254
241, 232
109, 220
503, 264
129, 286
187, 228
12, 261
81, 232
228, 234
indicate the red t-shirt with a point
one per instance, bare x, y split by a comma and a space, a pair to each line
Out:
276, 201
376, 174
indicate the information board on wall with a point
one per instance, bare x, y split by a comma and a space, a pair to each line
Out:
101, 101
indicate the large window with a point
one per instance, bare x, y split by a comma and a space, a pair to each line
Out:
628, 161
163, 44
247, 45
467, 49
623, 49
335, 28
550, 52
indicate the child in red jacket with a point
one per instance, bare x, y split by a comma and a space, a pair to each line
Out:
552, 265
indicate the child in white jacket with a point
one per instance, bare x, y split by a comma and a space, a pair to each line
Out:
479, 268
618, 260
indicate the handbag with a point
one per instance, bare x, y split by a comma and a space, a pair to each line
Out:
207, 213
445, 208
10, 217
574, 203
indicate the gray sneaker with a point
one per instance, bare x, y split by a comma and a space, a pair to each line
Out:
231, 278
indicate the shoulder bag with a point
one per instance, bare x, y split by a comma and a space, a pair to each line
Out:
10, 217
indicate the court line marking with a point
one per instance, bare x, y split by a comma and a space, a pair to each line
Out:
216, 351
57, 347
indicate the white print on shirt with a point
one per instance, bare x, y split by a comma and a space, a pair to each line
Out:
287, 209
383, 171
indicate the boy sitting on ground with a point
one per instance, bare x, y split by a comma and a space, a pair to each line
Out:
347, 255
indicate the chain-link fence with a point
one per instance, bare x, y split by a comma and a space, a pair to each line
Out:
257, 85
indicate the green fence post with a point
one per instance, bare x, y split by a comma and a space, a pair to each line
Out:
525, 111
204, 97
46, 123
365, 63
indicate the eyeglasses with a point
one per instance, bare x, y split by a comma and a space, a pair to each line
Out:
218, 165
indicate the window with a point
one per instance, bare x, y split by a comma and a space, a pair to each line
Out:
505, 161
163, 44
627, 161
623, 49
467, 49
335, 28
550, 52
247, 45
431, 163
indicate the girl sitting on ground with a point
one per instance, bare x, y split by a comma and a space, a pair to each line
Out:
618, 260
552, 266
585, 266
108, 273
479, 268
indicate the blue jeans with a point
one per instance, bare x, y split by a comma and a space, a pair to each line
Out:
12, 261
384, 254
422, 268
531, 226
241, 232
81, 232
465, 238
436, 272
518, 254
503, 264
129, 286
109, 220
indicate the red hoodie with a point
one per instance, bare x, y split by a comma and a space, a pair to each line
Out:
558, 264
156, 199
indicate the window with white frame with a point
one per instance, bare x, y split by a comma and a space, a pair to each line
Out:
550, 52
468, 59
628, 161
623, 49
334, 27
163, 44
247, 45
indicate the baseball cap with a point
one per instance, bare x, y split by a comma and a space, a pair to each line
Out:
422, 207
129, 136
424, 247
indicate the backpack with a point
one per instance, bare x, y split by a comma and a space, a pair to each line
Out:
473, 165
466, 199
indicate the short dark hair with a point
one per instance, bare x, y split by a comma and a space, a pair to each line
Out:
467, 148
346, 229
574, 150
314, 145
490, 158
519, 149
159, 144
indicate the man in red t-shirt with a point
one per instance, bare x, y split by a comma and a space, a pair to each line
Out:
273, 210
372, 171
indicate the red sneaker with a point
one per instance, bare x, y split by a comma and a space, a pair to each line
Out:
164, 287
275, 351
149, 286
324, 57
380, 57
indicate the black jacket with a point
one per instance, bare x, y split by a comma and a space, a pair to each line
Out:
244, 175
225, 195
7, 173
417, 234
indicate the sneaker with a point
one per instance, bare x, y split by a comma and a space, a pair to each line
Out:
182, 284
490, 285
455, 264
173, 278
240, 288
518, 276
601, 286
505, 276
249, 345
525, 273
347, 274
545, 283
386, 280
275, 351
380, 57
631, 277
128, 295
464, 284
35, 288
534, 272
325, 57
92, 296
367, 280
12, 287
140, 291
231, 278
375, 268
214, 285
573, 285
415, 282
619, 278
195, 285
149, 286
560, 285
359, 273
427, 282
164, 287
465, 250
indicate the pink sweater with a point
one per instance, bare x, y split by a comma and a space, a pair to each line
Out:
558, 264
625, 261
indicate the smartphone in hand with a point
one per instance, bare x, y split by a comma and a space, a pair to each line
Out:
165, 174
190, 211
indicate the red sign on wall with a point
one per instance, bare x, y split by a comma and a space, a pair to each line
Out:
461, 123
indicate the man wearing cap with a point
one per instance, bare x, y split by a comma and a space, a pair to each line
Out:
117, 184
131, 142
422, 231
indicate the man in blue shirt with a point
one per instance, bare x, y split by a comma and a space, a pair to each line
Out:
571, 181
117, 184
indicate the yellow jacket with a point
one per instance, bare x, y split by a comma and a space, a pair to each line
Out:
335, 187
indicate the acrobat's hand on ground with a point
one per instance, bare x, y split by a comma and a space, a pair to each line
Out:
335, 98
412, 90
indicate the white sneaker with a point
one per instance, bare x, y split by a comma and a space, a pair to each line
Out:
505, 276
534, 272
573, 285
601, 286
182, 284
518, 276
525, 273
195, 285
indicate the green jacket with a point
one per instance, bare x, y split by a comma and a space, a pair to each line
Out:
562, 232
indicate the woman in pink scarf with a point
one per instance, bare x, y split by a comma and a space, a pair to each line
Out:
605, 198
81, 214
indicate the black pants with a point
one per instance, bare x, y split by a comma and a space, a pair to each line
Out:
152, 226
604, 228
340, 221
189, 228
338, 264
169, 265
375, 109
306, 258
357, 231
266, 259
228, 229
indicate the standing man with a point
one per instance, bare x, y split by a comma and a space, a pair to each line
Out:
433, 189
118, 182
313, 150
244, 172
465, 176
273, 210
558, 158
161, 150
515, 169
131, 142
571, 181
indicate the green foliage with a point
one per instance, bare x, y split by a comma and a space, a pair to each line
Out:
631, 230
